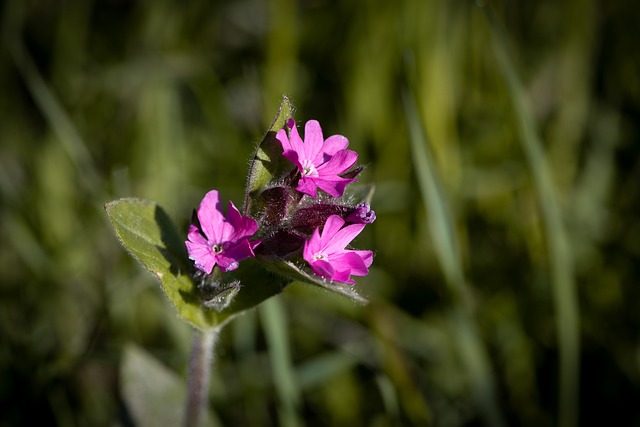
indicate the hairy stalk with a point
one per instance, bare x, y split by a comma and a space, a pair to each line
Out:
198, 376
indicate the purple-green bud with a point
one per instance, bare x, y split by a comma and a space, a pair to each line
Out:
309, 218
281, 244
275, 202
362, 214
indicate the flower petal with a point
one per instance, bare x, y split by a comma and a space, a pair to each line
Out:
231, 232
331, 227
343, 276
284, 140
308, 186
349, 261
210, 216
323, 269
343, 237
313, 140
332, 145
243, 226
196, 236
312, 246
367, 257
337, 263
294, 158
203, 257
333, 186
339, 163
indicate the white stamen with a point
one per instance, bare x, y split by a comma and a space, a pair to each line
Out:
319, 256
308, 169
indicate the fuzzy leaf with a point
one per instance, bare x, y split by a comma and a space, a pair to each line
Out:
268, 164
146, 231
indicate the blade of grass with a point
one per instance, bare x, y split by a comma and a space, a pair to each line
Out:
56, 116
472, 351
560, 258
275, 325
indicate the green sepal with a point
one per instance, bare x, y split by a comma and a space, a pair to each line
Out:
268, 165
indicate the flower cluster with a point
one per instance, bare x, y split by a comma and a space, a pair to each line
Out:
301, 214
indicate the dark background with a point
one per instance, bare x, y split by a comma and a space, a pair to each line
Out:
165, 100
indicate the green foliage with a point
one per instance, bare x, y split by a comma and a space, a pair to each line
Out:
154, 394
145, 230
164, 101
268, 164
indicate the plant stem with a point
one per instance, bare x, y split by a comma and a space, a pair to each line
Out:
198, 376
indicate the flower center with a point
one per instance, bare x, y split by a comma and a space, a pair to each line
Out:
308, 169
216, 249
319, 257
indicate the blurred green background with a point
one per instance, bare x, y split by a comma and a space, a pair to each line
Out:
503, 143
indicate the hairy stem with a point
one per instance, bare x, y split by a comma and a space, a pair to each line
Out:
198, 376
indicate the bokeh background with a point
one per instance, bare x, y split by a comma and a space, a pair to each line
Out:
503, 143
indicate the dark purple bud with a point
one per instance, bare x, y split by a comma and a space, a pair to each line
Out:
275, 203
309, 218
362, 214
281, 244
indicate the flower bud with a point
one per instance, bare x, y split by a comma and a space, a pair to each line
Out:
362, 214
309, 218
275, 202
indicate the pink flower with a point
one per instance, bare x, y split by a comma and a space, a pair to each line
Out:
218, 239
320, 161
326, 254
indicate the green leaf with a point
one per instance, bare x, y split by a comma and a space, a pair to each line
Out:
146, 231
153, 394
291, 271
268, 164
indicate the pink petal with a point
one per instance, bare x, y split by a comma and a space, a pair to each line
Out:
343, 276
293, 157
331, 227
195, 236
313, 140
333, 186
242, 226
323, 269
284, 140
367, 257
349, 261
202, 256
307, 185
343, 237
197, 251
339, 163
227, 263
296, 143
239, 251
210, 216
312, 246
332, 145
209, 263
